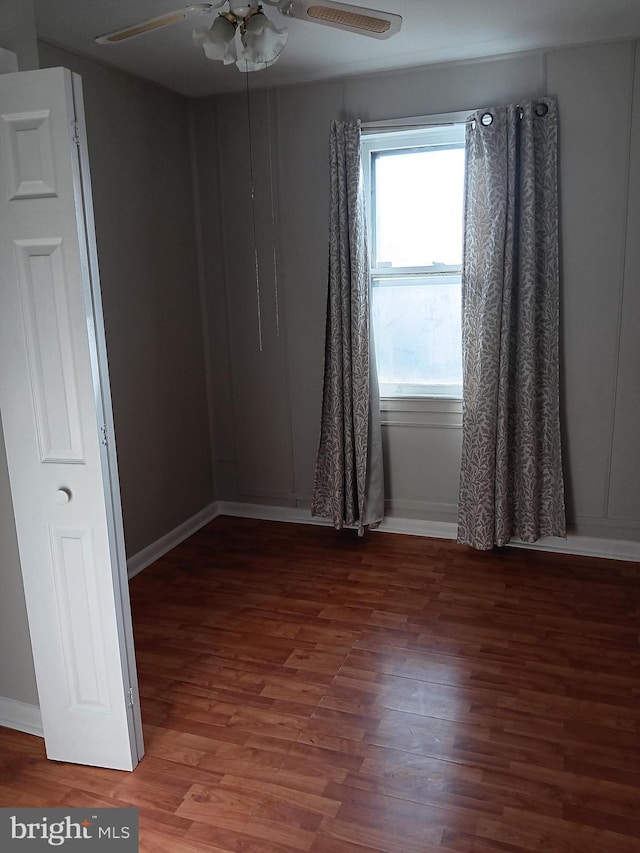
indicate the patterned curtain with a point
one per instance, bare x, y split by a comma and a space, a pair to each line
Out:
348, 486
511, 478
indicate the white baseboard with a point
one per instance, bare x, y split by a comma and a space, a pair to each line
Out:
419, 527
585, 546
610, 549
160, 547
21, 716
269, 512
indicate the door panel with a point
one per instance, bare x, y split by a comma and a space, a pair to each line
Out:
56, 409
29, 154
50, 356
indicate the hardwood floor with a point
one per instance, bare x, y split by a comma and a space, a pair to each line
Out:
303, 690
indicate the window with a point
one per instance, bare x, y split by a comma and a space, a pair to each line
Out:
414, 179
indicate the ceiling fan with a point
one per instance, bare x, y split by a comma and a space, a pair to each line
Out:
245, 35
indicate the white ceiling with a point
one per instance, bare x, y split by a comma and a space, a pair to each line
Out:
432, 31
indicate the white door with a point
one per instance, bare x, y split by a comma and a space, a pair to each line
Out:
56, 411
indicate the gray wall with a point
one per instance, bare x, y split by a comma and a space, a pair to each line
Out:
139, 152
17, 676
267, 404
18, 32
599, 159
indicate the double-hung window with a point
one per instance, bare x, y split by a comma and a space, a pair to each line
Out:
414, 180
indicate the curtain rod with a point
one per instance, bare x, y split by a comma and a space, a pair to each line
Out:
443, 120
417, 122
381, 128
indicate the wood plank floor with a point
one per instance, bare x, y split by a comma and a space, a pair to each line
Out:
304, 690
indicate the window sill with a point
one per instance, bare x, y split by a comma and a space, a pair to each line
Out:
422, 412
443, 405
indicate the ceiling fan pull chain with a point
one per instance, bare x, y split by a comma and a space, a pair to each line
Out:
253, 217
273, 215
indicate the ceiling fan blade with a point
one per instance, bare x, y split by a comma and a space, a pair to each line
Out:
343, 16
150, 24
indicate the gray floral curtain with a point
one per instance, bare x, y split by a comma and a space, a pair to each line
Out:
348, 485
511, 478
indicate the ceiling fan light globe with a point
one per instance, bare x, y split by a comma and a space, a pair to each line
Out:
218, 41
262, 43
241, 10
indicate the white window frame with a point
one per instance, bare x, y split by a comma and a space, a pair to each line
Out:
446, 130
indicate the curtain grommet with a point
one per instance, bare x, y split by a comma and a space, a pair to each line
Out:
486, 119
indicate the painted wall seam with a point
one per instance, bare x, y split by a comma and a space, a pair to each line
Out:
202, 291
225, 295
623, 264
278, 272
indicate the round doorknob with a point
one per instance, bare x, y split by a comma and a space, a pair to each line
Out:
63, 496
